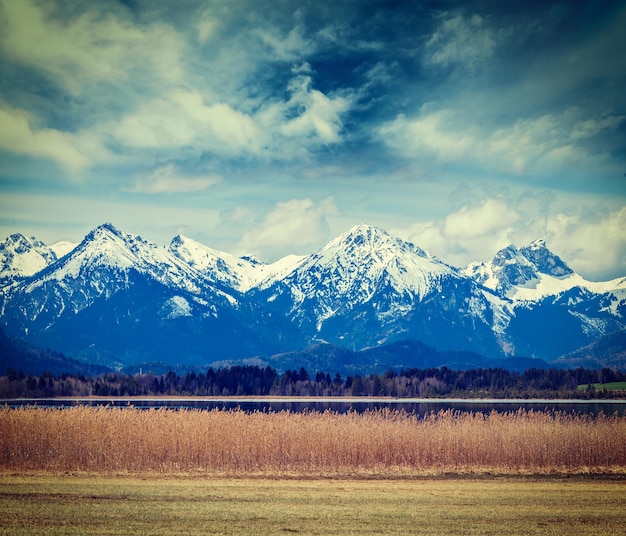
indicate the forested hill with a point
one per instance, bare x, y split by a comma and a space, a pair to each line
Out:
17, 353
259, 381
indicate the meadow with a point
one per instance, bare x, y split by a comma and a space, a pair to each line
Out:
382, 443
160, 505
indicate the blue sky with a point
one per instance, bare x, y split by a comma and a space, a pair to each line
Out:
270, 127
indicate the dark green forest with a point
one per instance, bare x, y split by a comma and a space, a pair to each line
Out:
263, 381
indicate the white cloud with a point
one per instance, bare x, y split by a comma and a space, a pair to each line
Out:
183, 119
18, 135
460, 40
292, 227
488, 217
320, 114
186, 120
205, 27
527, 146
290, 47
471, 233
593, 245
430, 135
93, 47
307, 120
591, 127
169, 179
148, 99
538, 117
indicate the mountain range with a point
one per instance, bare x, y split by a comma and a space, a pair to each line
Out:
118, 300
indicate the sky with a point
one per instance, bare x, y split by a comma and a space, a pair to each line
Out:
270, 127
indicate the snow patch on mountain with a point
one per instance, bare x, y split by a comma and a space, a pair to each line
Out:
176, 307
62, 248
590, 326
547, 285
23, 257
270, 273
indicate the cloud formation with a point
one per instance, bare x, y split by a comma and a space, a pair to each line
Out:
460, 40
292, 227
18, 134
474, 233
79, 50
319, 116
169, 179
182, 119
529, 146
323, 114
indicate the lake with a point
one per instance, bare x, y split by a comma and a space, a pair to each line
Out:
419, 406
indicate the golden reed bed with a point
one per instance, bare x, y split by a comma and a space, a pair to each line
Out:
227, 442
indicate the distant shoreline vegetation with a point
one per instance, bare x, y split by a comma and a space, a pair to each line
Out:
440, 382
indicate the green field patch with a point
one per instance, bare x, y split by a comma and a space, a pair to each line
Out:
95, 505
611, 386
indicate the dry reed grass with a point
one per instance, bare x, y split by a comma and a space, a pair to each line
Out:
384, 442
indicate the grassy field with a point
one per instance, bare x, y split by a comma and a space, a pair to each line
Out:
88, 505
612, 386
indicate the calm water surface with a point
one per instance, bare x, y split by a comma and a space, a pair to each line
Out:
341, 405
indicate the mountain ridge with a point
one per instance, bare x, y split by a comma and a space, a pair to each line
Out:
363, 289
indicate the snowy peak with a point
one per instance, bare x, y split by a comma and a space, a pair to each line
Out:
526, 274
367, 238
363, 235
361, 262
544, 260
220, 267
106, 256
371, 247
366, 286
23, 257
106, 246
512, 268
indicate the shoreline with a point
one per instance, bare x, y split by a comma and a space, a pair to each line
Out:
320, 399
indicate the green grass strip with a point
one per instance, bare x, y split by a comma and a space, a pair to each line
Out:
93, 505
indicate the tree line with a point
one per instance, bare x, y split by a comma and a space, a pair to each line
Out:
263, 381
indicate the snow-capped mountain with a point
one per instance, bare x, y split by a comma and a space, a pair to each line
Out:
532, 273
118, 295
22, 257
367, 287
553, 309
238, 273
118, 299
513, 269
354, 265
105, 260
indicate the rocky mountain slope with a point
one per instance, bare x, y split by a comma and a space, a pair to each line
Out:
117, 299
